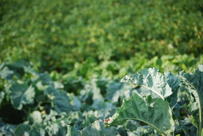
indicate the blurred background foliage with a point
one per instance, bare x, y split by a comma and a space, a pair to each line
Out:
119, 36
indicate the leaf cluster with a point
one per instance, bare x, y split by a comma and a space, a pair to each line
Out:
150, 103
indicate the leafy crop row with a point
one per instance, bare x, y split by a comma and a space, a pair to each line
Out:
150, 103
56, 34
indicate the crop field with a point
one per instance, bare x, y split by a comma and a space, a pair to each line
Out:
101, 68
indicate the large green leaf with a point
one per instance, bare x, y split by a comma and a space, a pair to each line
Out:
98, 129
193, 83
30, 130
187, 127
151, 79
154, 112
75, 102
71, 131
21, 94
5, 72
116, 90
135, 129
45, 78
60, 99
101, 104
6, 129
174, 83
22, 130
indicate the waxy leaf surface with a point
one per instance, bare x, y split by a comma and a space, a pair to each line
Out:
97, 129
21, 94
154, 112
151, 79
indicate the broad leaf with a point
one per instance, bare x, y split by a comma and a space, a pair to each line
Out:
116, 90
22, 130
187, 127
45, 78
103, 109
95, 89
6, 73
151, 79
154, 112
142, 130
174, 83
71, 131
89, 118
193, 83
21, 94
98, 129
101, 104
60, 99
6, 129
75, 102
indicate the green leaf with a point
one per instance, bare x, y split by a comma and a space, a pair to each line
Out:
98, 129
45, 77
21, 94
101, 104
6, 73
89, 118
6, 129
103, 109
142, 130
56, 129
37, 129
22, 130
151, 79
71, 131
154, 112
187, 127
95, 89
72, 117
75, 102
145, 91
174, 83
193, 83
116, 90
61, 100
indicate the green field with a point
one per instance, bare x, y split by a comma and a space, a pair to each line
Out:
61, 63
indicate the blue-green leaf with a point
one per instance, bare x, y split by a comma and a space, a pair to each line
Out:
193, 83
61, 100
6, 129
22, 130
21, 94
154, 112
151, 79
71, 131
98, 129
116, 90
